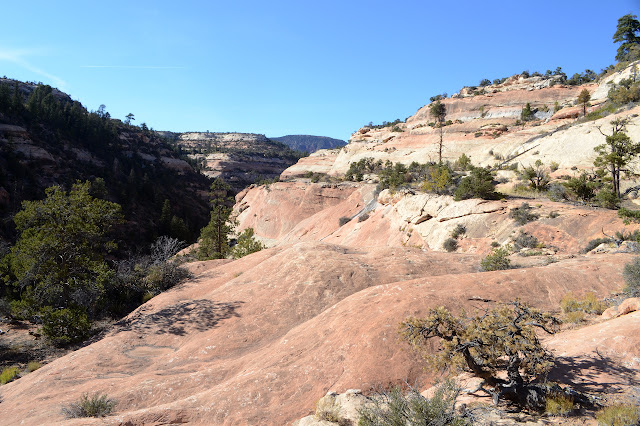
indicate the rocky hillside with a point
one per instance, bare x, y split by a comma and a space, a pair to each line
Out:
239, 158
485, 124
47, 139
308, 143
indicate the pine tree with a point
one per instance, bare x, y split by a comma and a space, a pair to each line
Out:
438, 111
583, 99
626, 34
214, 238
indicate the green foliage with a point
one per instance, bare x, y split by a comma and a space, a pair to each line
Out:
627, 35
615, 156
588, 304
394, 176
595, 243
524, 240
438, 111
214, 238
631, 275
583, 187
607, 198
395, 408
494, 342
358, 169
450, 244
458, 231
343, 221
462, 163
65, 326
527, 114
479, 184
619, 415
629, 216
582, 78
96, 405
498, 260
537, 175
522, 215
246, 244
8, 374
58, 259
384, 124
33, 366
583, 99
438, 179
558, 404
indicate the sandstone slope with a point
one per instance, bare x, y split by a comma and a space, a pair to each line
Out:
259, 340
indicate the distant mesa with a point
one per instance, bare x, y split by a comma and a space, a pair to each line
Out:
309, 143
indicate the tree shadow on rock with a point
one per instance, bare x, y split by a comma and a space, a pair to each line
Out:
594, 374
180, 319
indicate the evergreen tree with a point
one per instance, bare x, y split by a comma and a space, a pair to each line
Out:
626, 34
583, 99
527, 113
438, 111
214, 238
58, 260
246, 244
615, 155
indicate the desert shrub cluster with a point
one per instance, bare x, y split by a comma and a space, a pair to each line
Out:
96, 405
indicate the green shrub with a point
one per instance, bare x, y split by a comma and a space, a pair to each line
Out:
450, 245
583, 187
33, 366
343, 220
363, 217
522, 215
65, 326
629, 216
397, 408
90, 406
595, 243
619, 415
479, 184
524, 240
497, 260
558, 404
462, 163
607, 199
576, 317
631, 275
589, 304
246, 244
459, 230
8, 374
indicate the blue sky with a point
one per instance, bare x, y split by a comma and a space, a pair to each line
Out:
292, 67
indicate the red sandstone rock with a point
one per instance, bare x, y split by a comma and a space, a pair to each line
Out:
259, 340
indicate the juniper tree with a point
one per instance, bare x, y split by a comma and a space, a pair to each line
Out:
499, 345
59, 258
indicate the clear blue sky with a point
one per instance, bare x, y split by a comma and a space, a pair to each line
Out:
292, 67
